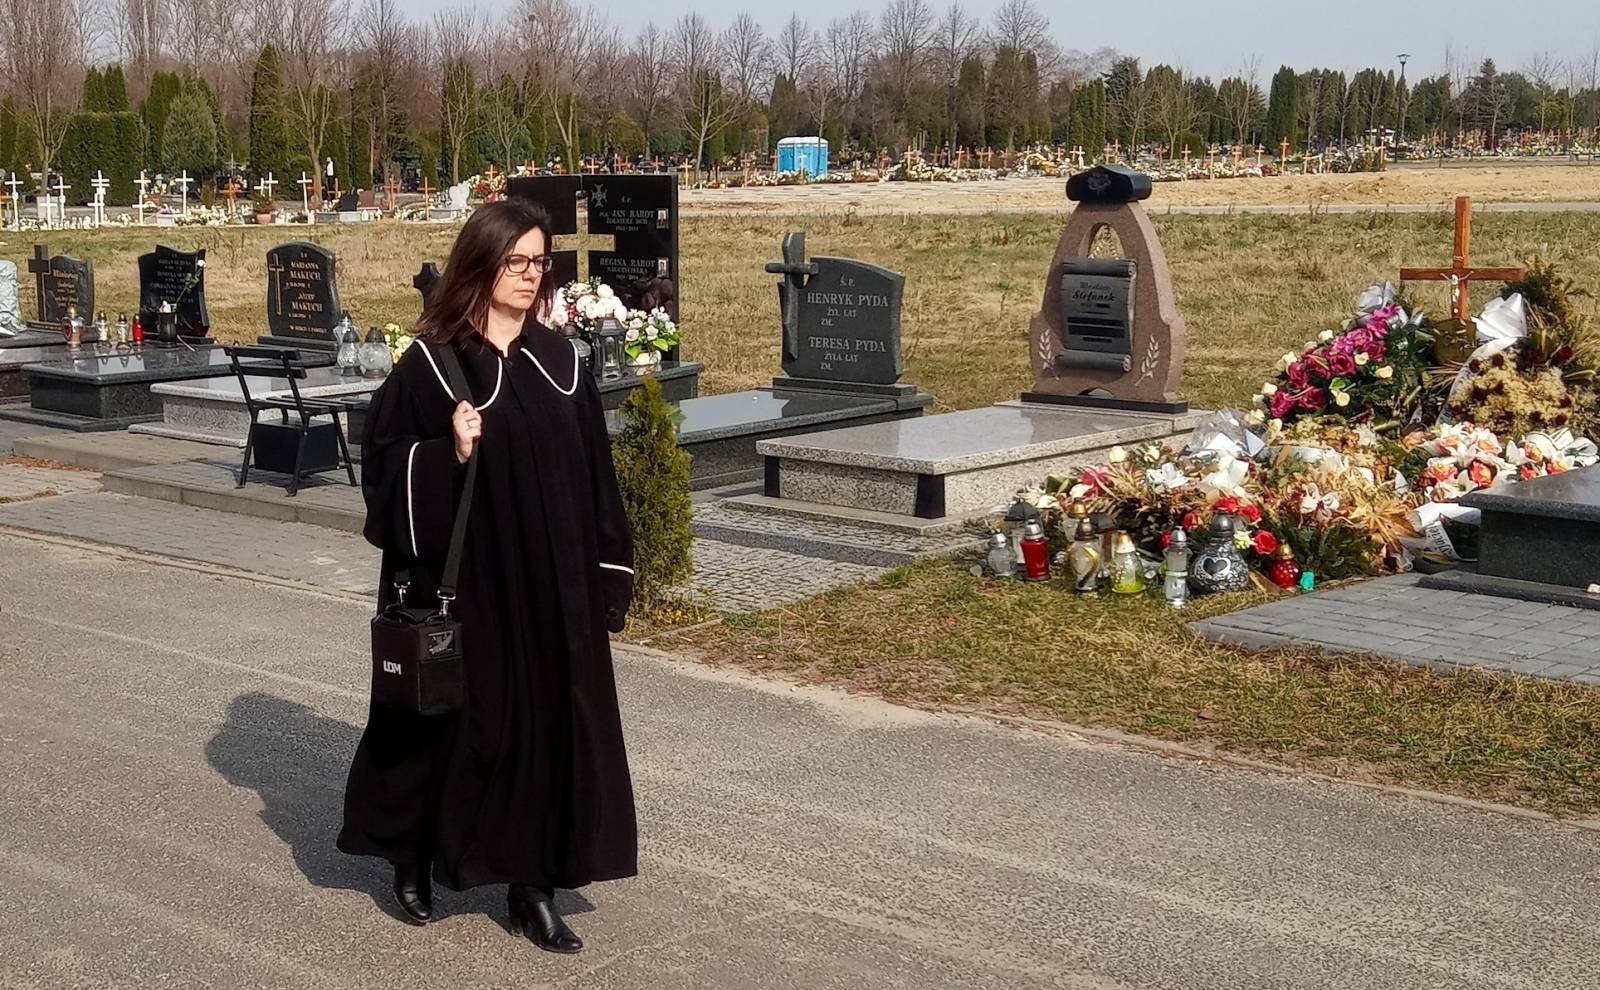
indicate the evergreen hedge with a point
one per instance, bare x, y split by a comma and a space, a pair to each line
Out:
189, 139
653, 474
113, 143
269, 140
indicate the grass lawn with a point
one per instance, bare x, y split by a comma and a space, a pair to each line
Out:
1248, 286
933, 636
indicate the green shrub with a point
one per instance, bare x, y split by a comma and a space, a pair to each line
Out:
109, 142
653, 474
189, 139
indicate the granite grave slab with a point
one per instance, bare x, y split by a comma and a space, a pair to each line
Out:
212, 410
109, 388
1538, 540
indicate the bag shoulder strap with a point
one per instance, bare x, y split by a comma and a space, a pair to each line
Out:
458, 535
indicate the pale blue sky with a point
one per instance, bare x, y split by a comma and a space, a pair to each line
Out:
1212, 36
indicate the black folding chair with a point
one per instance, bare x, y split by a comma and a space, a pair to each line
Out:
300, 448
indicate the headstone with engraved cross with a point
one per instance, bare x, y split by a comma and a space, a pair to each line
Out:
1461, 270
60, 284
302, 297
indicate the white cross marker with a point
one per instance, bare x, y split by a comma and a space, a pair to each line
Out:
182, 182
144, 192
264, 187
101, 184
305, 196
61, 188
15, 185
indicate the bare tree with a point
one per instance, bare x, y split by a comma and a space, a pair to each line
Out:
648, 71
851, 45
795, 48
1176, 111
141, 37
563, 40
697, 61
388, 44
747, 60
455, 39
956, 39
820, 87
313, 55
43, 62
1243, 105
1021, 26
906, 30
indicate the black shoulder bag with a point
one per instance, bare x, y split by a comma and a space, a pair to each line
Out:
417, 662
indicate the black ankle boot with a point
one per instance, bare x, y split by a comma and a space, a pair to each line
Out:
413, 889
534, 916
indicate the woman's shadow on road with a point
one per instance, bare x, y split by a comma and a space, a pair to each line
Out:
297, 760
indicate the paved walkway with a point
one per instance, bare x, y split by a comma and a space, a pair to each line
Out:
173, 750
1394, 618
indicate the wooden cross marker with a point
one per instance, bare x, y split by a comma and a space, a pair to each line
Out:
144, 194
306, 182
100, 184
1283, 155
1461, 270
1259, 151
15, 185
266, 185
182, 182
684, 169
1211, 161
1185, 163
61, 188
230, 192
427, 193
391, 189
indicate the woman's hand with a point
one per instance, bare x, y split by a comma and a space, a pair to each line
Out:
467, 423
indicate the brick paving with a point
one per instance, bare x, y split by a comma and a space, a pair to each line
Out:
1393, 617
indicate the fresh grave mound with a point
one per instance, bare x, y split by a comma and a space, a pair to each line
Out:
1361, 457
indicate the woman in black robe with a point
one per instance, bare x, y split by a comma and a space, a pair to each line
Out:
528, 784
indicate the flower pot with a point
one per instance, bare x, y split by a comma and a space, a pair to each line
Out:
264, 219
646, 363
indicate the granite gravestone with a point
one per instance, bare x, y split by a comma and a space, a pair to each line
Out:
639, 213
61, 283
302, 297
177, 277
1109, 335
841, 318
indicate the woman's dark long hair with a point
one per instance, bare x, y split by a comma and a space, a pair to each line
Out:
459, 302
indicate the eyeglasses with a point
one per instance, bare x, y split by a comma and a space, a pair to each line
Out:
516, 264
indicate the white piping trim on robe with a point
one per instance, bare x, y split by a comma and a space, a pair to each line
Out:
499, 375
442, 383
411, 516
577, 366
616, 567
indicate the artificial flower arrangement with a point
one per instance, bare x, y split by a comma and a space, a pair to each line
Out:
582, 306
1374, 369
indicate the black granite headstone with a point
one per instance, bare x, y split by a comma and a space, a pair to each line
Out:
178, 277
302, 298
60, 283
1097, 312
347, 203
841, 318
639, 213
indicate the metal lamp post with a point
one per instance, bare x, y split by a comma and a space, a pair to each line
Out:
1404, 57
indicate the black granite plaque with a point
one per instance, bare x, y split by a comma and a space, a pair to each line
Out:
1097, 305
302, 299
61, 283
848, 324
639, 213
1109, 184
178, 277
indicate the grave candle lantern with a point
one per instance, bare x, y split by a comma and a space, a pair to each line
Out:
1176, 588
1035, 551
1127, 570
167, 325
376, 361
1284, 571
348, 358
1001, 562
609, 339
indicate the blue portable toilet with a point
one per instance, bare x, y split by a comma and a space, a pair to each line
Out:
807, 154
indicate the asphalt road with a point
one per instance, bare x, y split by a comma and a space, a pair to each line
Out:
172, 751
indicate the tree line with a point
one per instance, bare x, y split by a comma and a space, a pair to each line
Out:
288, 85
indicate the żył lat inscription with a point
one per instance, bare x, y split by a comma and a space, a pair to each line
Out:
841, 317
1108, 334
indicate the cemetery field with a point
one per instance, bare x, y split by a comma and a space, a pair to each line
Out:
1509, 182
933, 636
1250, 287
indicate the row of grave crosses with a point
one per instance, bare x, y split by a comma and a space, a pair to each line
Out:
48, 205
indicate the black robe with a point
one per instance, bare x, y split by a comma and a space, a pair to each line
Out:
529, 783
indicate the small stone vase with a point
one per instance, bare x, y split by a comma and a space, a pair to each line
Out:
646, 363
1219, 566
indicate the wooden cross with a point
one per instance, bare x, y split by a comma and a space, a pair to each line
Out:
1238, 153
144, 194
1283, 154
684, 169
306, 182
1259, 150
61, 188
100, 184
1108, 153
1077, 155
391, 189
1116, 150
1185, 163
265, 186
655, 164
1211, 161
591, 167
1461, 270
427, 192
231, 192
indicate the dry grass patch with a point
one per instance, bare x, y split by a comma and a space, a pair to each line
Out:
933, 636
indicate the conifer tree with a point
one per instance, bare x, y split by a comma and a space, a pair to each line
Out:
653, 476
